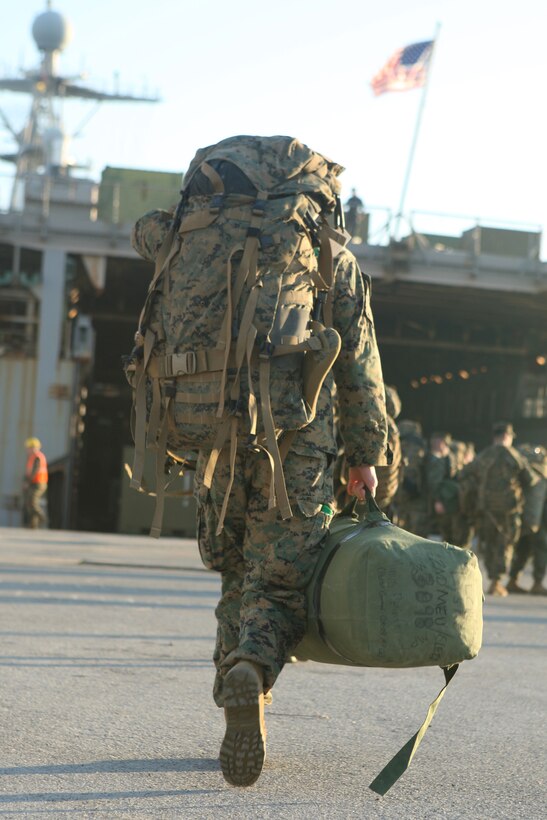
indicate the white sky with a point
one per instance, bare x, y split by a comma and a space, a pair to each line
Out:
303, 67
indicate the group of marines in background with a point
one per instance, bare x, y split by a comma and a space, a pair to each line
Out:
494, 502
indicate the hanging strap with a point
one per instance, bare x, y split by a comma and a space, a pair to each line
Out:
140, 411
249, 260
161, 486
220, 441
213, 176
233, 453
402, 760
280, 498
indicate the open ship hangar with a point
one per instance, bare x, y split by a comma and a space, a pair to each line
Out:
462, 330
460, 322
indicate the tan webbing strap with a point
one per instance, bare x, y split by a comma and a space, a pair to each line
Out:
155, 416
220, 441
316, 365
246, 326
233, 453
278, 479
196, 220
155, 530
242, 274
252, 406
227, 342
213, 176
249, 260
140, 428
175, 248
140, 411
198, 398
164, 254
326, 269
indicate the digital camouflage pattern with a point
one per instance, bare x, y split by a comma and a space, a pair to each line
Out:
501, 475
389, 475
439, 474
410, 499
285, 552
280, 165
533, 541
265, 561
357, 372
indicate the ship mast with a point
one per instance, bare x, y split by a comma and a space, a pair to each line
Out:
43, 144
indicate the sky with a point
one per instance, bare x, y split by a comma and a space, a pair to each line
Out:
303, 68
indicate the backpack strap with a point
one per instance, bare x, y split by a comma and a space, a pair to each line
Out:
278, 488
140, 410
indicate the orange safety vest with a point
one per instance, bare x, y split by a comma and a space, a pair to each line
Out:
41, 476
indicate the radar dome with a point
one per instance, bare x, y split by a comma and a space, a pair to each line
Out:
51, 31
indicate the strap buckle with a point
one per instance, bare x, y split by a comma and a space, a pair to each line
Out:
259, 206
181, 364
216, 203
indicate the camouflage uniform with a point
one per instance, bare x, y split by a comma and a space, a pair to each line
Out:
266, 562
439, 474
501, 474
388, 475
410, 500
462, 523
533, 541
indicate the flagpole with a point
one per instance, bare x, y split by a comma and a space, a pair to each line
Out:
419, 116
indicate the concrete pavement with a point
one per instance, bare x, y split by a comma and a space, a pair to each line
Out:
106, 709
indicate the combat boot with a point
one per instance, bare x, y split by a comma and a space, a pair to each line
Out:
497, 588
538, 589
513, 587
243, 749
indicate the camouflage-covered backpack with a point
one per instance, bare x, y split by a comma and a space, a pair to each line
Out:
232, 334
498, 487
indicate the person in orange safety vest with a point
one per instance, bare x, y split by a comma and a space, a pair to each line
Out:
35, 484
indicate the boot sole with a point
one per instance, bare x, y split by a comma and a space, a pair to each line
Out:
243, 750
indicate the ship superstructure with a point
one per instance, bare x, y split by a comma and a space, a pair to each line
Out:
460, 318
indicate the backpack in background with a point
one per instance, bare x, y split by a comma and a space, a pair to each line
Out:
232, 332
499, 490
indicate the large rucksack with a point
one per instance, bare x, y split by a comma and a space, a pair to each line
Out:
232, 329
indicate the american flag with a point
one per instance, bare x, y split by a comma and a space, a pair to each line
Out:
406, 69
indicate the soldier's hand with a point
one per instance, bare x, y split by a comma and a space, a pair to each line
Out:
361, 478
439, 508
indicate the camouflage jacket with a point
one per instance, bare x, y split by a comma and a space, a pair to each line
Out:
357, 372
501, 474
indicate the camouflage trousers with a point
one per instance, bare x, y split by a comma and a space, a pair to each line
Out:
498, 535
265, 562
531, 545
